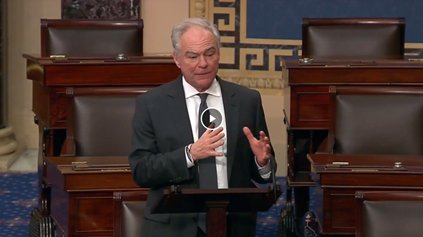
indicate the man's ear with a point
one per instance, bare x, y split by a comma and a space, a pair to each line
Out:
175, 58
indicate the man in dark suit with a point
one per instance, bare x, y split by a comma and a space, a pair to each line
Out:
174, 145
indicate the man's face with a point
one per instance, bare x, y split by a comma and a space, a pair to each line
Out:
198, 57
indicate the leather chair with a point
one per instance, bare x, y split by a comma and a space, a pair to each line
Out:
375, 120
91, 37
389, 213
353, 38
129, 213
99, 120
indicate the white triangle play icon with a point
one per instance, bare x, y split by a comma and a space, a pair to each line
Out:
213, 116
212, 119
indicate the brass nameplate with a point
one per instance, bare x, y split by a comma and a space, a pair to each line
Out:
340, 163
57, 56
337, 164
337, 65
78, 162
364, 170
115, 170
100, 167
91, 61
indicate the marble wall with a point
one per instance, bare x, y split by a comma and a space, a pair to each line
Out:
100, 9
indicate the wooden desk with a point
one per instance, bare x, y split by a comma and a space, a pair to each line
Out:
306, 92
51, 77
82, 201
336, 187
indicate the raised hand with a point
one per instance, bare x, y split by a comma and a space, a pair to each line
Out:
260, 148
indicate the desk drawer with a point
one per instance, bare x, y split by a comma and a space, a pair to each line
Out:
309, 107
49, 105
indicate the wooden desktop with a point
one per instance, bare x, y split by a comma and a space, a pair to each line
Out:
51, 76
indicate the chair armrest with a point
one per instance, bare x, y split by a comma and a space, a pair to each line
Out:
68, 148
326, 147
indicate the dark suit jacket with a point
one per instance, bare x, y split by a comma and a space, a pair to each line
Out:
161, 130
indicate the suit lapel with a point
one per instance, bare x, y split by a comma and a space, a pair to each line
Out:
231, 104
179, 112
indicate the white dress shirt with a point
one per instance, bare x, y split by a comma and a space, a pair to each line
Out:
214, 99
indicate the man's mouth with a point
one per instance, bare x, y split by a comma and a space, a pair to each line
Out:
204, 73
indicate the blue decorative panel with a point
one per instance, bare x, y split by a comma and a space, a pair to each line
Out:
281, 19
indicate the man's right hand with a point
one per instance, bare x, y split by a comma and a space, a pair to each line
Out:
205, 146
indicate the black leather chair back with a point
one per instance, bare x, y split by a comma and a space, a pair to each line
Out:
91, 38
389, 213
103, 125
379, 124
132, 218
392, 219
353, 38
128, 214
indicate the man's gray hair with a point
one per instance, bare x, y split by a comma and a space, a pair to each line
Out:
180, 28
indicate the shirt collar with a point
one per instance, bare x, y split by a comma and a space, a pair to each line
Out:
190, 91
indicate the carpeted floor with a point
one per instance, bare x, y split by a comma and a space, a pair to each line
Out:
268, 222
18, 196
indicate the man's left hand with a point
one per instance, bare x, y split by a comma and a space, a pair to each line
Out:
260, 148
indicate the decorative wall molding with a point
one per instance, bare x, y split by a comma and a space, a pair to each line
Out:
198, 8
8, 143
9, 148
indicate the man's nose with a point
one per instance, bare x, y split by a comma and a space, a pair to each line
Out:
203, 62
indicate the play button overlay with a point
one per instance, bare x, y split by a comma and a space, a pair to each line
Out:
211, 115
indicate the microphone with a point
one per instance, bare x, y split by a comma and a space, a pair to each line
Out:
273, 168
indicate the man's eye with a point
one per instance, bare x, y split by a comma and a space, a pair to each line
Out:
192, 57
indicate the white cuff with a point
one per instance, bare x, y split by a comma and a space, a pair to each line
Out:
264, 171
190, 162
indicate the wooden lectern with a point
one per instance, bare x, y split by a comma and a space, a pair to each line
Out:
216, 202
